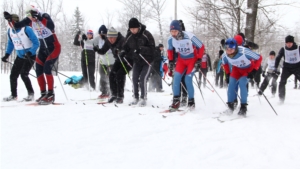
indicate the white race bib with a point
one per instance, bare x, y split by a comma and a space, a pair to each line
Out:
292, 56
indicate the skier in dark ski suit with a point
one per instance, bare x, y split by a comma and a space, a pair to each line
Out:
291, 64
117, 76
139, 43
87, 56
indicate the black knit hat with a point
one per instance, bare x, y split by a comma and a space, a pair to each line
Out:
289, 38
272, 53
102, 29
134, 23
160, 45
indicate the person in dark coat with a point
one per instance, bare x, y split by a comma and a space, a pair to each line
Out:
139, 45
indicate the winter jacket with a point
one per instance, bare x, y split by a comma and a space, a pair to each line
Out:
287, 63
107, 58
144, 41
205, 62
116, 48
87, 46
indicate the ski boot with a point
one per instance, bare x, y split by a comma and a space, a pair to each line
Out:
243, 109
235, 104
103, 96
43, 94
119, 100
191, 104
230, 109
111, 99
135, 101
10, 98
175, 105
142, 102
49, 98
30, 97
183, 101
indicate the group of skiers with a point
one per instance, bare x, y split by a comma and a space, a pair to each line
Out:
136, 52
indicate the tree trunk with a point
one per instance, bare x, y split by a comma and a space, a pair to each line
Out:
251, 19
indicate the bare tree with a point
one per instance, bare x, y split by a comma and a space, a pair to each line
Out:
158, 8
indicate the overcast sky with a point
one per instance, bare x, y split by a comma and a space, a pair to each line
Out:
92, 10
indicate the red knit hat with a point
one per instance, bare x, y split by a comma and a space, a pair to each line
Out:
239, 40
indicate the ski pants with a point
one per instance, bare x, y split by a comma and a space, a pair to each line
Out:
232, 93
266, 81
104, 71
140, 73
21, 67
286, 73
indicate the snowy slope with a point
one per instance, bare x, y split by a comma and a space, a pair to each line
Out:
90, 136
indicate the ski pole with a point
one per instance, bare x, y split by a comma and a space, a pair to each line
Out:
212, 86
124, 67
127, 62
269, 103
200, 90
51, 58
154, 70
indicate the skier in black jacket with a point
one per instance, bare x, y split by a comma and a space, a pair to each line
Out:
117, 76
291, 64
139, 45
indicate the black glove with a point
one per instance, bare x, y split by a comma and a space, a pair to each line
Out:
84, 37
122, 54
78, 33
28, 55
227, 78
276, 72
171, 65
7, 16
197, 65
263, 74
36, 14
5, 57
251, 75
96, 48
137, 51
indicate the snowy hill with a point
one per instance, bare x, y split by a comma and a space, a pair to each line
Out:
82, 134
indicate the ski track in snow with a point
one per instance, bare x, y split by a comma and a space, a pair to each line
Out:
80, 136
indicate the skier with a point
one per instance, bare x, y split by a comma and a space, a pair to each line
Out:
270, 63
26, 43
219, 70
155, 79
140, 45
87, 42
105, 64
120, 68
49, 50
190, 51
205, 64
291, 64
244, 63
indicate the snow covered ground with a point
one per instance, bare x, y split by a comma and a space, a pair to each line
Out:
81, 134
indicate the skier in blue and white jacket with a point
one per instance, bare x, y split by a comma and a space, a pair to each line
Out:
26, 44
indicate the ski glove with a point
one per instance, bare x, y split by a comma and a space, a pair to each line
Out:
227, 76
171, 65
252, 74
276, 72
197, 65
137, 51
84, 37
263, 74
96, 48
36, 14
7, 16
5, 57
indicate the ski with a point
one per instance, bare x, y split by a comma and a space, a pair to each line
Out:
37, 104
171, 112
226, 118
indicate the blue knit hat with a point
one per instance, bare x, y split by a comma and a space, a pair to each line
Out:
102, 30
175, 25
230, 43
